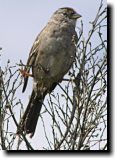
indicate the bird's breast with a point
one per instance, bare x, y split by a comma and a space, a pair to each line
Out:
55, 57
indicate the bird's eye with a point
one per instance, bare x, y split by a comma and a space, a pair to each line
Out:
72, 12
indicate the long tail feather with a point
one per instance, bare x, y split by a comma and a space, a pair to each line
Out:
29, 120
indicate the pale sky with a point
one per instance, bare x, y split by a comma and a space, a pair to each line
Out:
22, 20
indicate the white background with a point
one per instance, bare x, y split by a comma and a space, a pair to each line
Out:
113, 155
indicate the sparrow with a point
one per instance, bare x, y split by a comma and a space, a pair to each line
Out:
51, 56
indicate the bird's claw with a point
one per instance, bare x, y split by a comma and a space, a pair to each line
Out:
25, 74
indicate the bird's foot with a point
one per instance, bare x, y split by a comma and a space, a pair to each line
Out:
25, 74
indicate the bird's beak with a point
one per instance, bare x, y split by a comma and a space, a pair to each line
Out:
76, 16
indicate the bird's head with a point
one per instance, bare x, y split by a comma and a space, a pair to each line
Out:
66, 14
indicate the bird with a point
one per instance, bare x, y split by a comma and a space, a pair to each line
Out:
50, 58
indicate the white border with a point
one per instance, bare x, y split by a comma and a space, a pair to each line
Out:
113, 155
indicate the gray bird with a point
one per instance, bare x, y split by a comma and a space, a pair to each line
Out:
50, 58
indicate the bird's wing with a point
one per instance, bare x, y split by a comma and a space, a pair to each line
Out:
30, 62
32, 57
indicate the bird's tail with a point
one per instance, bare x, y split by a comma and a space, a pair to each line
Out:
29, 120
